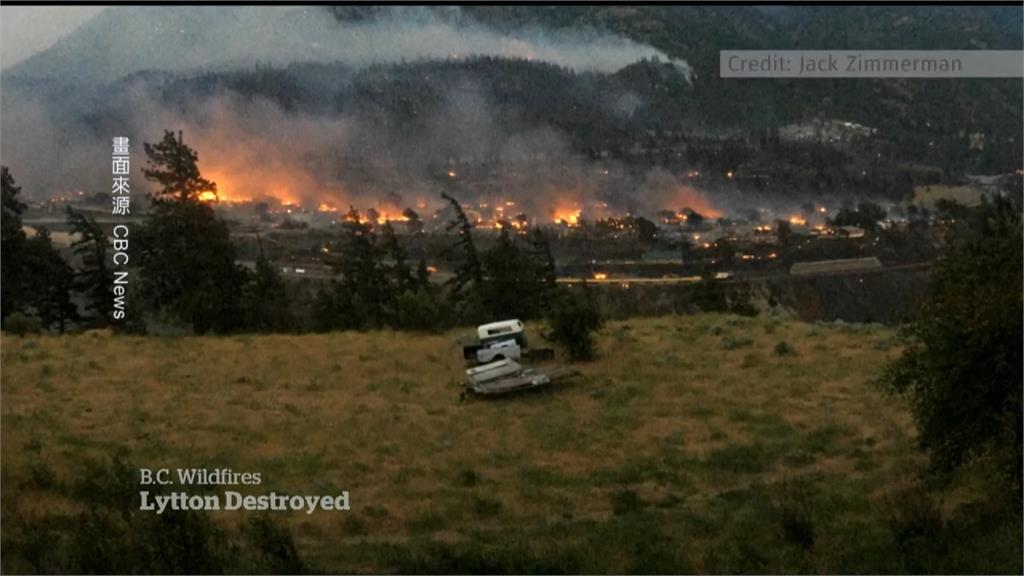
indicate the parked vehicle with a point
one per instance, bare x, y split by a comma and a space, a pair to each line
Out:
499, 351
500, 341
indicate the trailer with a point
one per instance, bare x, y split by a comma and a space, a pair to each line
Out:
493, 371
508, 377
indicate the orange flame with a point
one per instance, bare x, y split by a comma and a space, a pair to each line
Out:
569, 217
690, 197
232, 189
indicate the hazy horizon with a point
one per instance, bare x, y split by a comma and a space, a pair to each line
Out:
29, 30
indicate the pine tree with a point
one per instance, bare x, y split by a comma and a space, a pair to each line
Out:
325, 309
12, 246
185, 251
469, 273
543, 259
422, 275
175, 166
413, 222
363, 291
400, 274
94, 279
51, 283
265, 299
508, 286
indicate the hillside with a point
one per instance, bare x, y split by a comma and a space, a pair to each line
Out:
696, 443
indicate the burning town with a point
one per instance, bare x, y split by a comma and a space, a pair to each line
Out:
708, 324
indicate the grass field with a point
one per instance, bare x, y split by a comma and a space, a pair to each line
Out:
966, 195
703, 443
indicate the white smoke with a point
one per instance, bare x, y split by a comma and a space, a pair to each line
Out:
254, 148
127, 39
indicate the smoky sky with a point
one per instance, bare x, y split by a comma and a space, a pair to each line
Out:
127, 39
56, 127
26, 30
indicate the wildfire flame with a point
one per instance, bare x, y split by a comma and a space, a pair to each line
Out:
690, 197
236, 187
209, 196
567, 217
385, 217
294, 189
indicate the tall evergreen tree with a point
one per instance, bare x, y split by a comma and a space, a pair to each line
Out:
186, 255
51, 283
413, 222
512, 281
175, 167
12, 246
265, 305
543, 258
399, 272
469, 272
325, 309
94, 278
363, 292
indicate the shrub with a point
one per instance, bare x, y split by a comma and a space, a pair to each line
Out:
741, 301
486, 506
914, 517
353, 525
795, 515
573, 319
625, 502
469, 477
42, 475
422, 310
273, 548
784, 348
736, 342
961, 369
21, 324
751, 360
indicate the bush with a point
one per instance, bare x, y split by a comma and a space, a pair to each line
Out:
423, 311
784, 348
961, 368
625, 502
574, 317
21, 324
914, 517
793, 506
272, 547
736, 342
42, 475
469, 477
741, 301
485, 507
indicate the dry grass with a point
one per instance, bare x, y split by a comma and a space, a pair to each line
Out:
966, 195
667, 413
